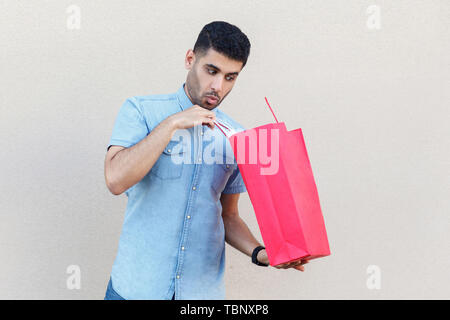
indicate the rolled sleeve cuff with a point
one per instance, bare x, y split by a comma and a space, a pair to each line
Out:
123, 143
235, 189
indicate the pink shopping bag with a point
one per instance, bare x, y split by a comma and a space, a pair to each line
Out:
277, 172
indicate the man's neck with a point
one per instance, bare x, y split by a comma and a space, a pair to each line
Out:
187, 93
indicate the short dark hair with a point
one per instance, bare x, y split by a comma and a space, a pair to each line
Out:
224, 38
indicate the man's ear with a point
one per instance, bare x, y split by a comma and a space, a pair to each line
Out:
189, 60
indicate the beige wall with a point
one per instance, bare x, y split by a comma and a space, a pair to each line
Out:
372, 103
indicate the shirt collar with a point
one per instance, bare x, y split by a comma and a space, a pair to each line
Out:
184, 100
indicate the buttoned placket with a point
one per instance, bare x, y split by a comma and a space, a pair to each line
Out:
198, 147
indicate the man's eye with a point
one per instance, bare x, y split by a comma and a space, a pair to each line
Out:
230, 78
210, 70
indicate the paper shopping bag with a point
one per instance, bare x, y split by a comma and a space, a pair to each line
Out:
277, 173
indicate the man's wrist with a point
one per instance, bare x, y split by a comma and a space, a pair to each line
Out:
260, 258
172, 123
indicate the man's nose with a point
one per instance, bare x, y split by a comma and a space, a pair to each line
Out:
216, 86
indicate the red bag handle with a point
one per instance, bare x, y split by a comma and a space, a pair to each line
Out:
222, 125
271, 110
219, 125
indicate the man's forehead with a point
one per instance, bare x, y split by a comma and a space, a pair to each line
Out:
221, 62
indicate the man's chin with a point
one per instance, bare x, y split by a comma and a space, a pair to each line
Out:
208, 106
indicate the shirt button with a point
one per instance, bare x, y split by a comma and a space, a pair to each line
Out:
201, 133
182, 248
178, 276
168, 150
193, 188
228, 166
188, 217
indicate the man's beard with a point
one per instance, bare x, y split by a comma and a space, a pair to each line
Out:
193, 87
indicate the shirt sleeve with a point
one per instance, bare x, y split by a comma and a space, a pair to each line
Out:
235, 183
130, 126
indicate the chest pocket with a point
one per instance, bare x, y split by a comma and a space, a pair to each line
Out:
170, 163
222, 172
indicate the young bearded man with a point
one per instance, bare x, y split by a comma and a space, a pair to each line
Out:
179, 215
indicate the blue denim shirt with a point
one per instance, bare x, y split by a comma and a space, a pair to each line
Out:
173, 237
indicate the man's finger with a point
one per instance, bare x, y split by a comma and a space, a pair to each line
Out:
300, 267
209, 123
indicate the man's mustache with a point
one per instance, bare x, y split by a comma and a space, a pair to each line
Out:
214, 95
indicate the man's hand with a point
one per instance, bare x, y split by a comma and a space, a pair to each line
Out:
297, 264
193, 116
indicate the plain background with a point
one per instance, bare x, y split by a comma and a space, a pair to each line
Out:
373, 105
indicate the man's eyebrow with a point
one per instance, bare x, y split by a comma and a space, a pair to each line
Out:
218, 69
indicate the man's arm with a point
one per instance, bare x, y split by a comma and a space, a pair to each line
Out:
124, 167
239, 236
